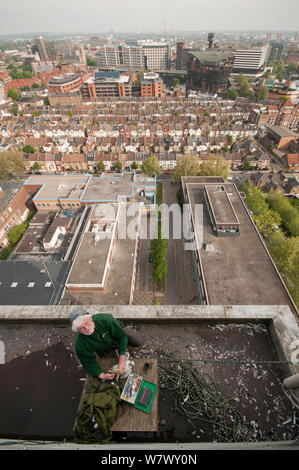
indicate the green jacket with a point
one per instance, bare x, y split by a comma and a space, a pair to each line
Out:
97, 413
107, 332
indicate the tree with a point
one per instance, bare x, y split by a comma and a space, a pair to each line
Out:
215, 166
292, 67
244, 84
159, 247
267, 222
246, 166
28, 149
36, 166
90, 61
288, 213
118, 165
134, 165
230, 139
101, 165
232, 94
14, 109
16, 232
150, 166
262, 92
280, 67
11, 164
13, 94
186, 166
254, 198
35, 85
285, 253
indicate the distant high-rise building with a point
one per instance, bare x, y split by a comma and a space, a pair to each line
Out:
250, 61
132, 56
275, 52
97, 41
182, 56
297, 37
209, 70
108, 56
279, 37
156, 56
46, 49
41, 47
268, 37
153, 56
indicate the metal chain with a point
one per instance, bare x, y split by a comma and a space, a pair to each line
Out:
198, 397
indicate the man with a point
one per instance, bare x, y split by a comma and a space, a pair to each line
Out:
97, 334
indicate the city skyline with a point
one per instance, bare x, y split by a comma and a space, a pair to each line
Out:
69, 16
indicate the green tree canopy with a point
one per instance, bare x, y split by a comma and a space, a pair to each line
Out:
118, 165
232, 94
151, 166
244, 84
90, 61
288, 213
134, 165
267, 222
16, 232
292, 67
101, 165
36, 166
28, 149
14, 109
13, 94
262, 92
215, 166
188, 165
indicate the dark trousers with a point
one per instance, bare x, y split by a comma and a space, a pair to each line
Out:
134, 338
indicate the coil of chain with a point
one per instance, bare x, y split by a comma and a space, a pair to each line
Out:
198, 397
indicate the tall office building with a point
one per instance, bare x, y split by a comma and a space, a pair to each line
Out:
209, 70
275, 52
250, 61
152, 56
156, 56
108, 56
46, 49
132, 56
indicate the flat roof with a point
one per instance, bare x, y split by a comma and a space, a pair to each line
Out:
88, 268
220, 204
211, 57
108, 188
281, 131
32, 282
86, 188
239, 271
58, 186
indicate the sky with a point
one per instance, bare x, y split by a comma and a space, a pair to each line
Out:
24, 16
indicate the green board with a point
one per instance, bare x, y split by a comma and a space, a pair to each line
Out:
153, 388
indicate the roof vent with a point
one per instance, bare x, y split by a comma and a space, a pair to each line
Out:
208, 247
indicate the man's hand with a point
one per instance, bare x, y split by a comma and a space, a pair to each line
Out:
110, 375
121, 364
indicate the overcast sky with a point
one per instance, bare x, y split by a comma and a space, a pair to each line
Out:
21, 16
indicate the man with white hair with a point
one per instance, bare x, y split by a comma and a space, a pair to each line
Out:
97, 334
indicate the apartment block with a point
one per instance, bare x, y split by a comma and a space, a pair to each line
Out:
250, 61
67, 83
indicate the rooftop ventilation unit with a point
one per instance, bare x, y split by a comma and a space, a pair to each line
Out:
208, 247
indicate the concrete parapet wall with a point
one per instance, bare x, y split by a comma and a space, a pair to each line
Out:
284, 328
